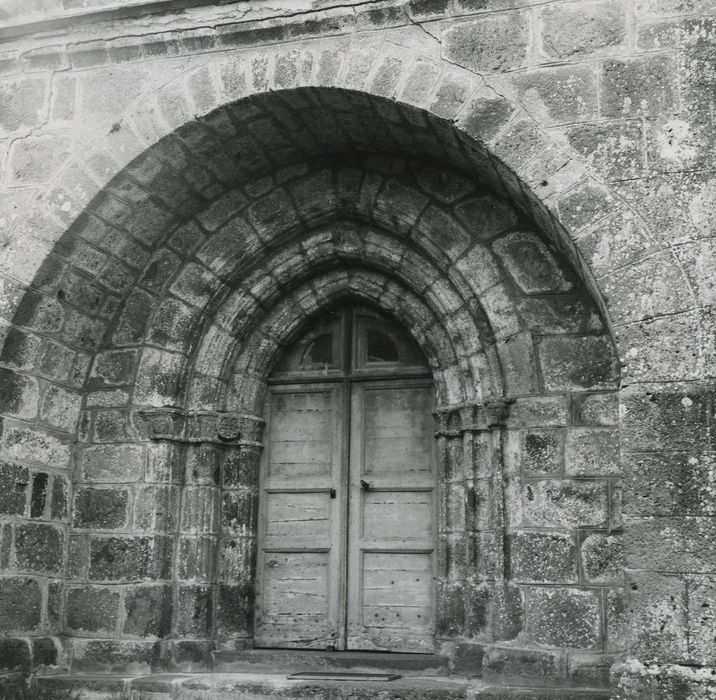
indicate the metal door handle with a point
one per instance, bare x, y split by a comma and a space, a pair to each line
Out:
365, 486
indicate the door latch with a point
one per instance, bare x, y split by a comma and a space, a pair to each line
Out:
333, 493
365, 486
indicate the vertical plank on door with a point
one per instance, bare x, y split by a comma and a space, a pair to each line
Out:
391, 578
300, 570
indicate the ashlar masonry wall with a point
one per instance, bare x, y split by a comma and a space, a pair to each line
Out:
133, 202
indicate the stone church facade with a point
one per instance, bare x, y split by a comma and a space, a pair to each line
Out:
248, 247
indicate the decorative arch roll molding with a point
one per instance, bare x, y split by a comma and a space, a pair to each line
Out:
185, 329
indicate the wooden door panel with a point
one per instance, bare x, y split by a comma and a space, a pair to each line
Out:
302, 524
395, 514
301, 439
292, 517
392, 517
397, 431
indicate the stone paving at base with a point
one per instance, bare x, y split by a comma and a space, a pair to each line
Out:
247, 686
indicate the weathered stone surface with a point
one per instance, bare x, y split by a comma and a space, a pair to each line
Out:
26, 444
194, 610
531, 264
104, 509
148, 611
564, 617
542, 451
127, 558
14, 654
39, 548
592, 452
92, 609
559, 94
537, 665
22, 103
543, 558
586, 362
18, 394
20, 604
488, 44
638, 86
565, 503
603, 558
14, 480
576, 30
111, 463
669, 484
683, 544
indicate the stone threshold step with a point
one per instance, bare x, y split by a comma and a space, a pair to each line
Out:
496, 692
291, 660
256, 686
249, 686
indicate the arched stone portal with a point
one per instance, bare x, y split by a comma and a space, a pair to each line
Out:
184, 279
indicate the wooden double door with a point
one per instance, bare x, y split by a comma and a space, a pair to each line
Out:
347, 516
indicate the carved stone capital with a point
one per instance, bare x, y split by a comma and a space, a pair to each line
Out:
190, 427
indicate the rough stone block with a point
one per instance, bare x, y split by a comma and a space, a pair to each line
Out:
175, 326
124, 558
658, 627
59, 500
14, 654
519, 143
559, 94
486, 116
672, 416
543, 451
613, 150
669, 484
156, 508
104, 509
675, 544
20, 604
148, 611
111, 463
539, 411
543, 558
531, 264
603, 559
160, 379
194, 610
59, 407
565, 504
22, 103
239, 512
39, 548
114, 656
92, 609
14, 481
44, 651
235, 609
577, 362
592, 452
164, 462
596, 409
579, 29
536, 666
644, 85
19, 394
133, 321
113, 368
564, 617
241, 467
489, 44
38, 496
195, 558
274, 215
111, 425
